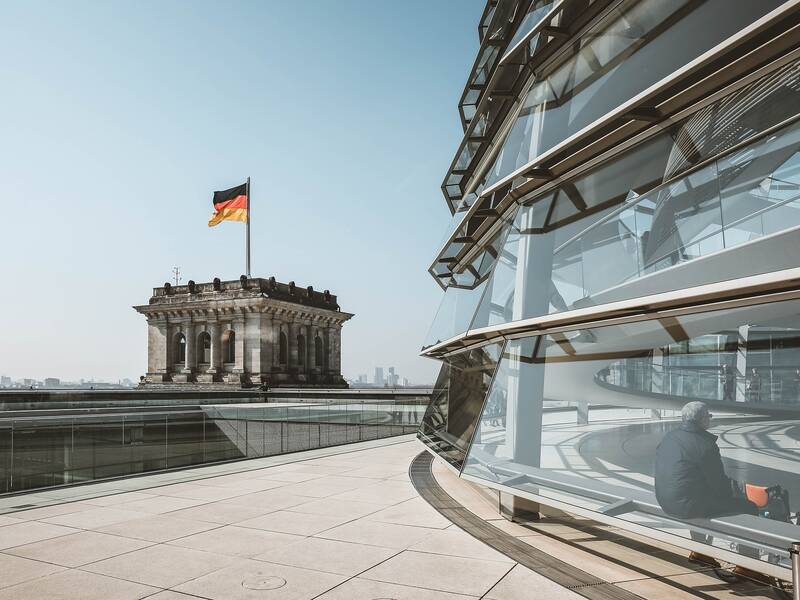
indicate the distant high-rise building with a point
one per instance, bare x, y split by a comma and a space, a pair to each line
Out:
5, 381
405, 381
379, 381
52, 382
392, 377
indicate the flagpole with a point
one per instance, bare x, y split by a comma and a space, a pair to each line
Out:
247, 239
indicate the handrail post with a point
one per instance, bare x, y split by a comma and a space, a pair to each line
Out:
794, 552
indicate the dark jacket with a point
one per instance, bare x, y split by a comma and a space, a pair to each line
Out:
690, 479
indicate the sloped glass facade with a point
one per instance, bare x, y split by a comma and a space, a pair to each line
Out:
617, 276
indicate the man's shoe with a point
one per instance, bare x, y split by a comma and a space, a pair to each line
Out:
702, 559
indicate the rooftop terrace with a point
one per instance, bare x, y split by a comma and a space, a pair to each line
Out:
334, 523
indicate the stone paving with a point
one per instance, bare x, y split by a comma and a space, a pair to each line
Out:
330, 526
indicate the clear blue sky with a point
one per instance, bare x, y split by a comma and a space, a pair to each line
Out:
119, 119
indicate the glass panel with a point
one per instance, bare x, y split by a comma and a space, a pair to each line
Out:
221, 439
42, 453
462, 297
536, 11
97, 448
592, 418
637, 45
760, 188
185, 444
456, 402
592, 253
6, 457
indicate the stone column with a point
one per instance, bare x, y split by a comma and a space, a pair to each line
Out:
252, 341
309, 347
215, 363
158, 352
312, 349
239, 345
326, 348
293, 328
191, 342
277, 329
334, 363
267, 343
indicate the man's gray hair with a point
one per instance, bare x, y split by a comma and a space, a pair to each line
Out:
694, 412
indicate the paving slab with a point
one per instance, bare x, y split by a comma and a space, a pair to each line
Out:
157, 528
285, 521
232, 540
15, 569
331, 556
77, 549
386, 535
29, 532
73, 584
256, 580
161, 566
438, 572
358, 588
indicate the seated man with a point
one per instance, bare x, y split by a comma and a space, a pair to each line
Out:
690, 479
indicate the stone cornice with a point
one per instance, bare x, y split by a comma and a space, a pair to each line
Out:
223, 309
245, 288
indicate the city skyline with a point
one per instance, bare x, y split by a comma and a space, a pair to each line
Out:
123, 136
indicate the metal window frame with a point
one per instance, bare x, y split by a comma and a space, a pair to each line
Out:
550, 50
557, 6
525, 190
641, 98
776, 286
654, 127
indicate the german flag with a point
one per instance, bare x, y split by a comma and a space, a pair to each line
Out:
230, 205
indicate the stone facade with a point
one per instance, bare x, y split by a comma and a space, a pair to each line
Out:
248, 332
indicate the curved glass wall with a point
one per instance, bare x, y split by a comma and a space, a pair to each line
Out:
629, 383
592, 255
590, 419
636, 45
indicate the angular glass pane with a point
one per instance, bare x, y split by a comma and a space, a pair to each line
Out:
686, 221
579, 417
497, 305
456, 402
535, 13
462, 297
637, 45
760, 188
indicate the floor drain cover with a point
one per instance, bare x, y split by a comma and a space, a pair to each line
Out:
263, 582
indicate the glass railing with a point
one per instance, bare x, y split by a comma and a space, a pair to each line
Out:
47, 448
744, 196
39, 399
769, 385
